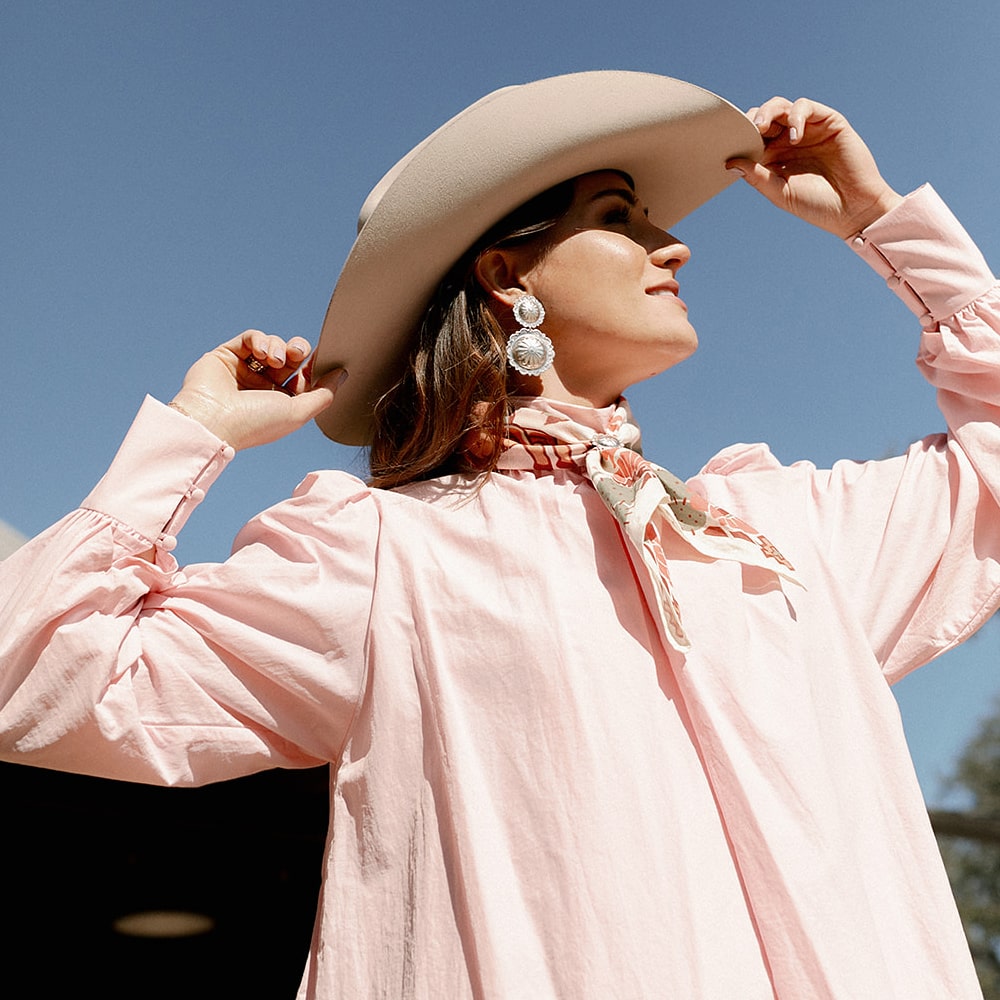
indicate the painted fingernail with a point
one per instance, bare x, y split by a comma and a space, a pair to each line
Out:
737, 170
793, 134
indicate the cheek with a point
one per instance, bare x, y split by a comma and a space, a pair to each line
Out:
587, 285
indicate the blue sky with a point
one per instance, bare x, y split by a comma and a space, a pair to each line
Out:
173, 173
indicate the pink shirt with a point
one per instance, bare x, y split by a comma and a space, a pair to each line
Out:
532, 797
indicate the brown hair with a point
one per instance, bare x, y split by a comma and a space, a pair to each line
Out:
447, 411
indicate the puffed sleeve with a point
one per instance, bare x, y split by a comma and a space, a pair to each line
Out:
113, 665
915, 541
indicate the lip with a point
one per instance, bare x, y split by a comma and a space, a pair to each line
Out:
666, 290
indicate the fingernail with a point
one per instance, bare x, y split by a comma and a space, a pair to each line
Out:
793, 134
341, 378
737, 170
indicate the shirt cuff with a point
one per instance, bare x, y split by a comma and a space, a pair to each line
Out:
160, 474
926, 257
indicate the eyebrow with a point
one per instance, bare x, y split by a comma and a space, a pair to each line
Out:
627, 194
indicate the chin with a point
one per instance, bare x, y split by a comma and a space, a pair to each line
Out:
676, 353
659, 370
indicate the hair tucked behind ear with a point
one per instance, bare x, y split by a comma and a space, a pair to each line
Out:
447, 411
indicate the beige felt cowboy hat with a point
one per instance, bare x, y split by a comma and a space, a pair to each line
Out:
671, 137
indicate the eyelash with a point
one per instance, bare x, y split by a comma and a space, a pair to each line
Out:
620, 214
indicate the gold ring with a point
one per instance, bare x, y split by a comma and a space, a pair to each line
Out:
255, 366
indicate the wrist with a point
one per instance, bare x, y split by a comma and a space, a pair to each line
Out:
882, 205
206, 412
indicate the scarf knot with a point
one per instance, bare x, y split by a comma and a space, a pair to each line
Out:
646, 499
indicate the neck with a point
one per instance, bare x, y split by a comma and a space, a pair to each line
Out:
552, 386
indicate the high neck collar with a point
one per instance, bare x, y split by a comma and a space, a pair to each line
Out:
594, 417
575, 422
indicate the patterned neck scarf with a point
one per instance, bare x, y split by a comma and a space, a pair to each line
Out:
646, 499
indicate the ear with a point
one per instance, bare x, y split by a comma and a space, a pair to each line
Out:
499, 273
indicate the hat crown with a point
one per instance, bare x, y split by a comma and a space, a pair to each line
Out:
385, 182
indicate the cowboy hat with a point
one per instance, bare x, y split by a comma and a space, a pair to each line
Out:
671, 137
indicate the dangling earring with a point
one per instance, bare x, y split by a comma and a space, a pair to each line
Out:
529, 351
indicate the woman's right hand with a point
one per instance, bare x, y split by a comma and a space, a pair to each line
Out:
247, 408
816, 167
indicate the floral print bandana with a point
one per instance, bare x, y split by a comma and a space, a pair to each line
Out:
645, 498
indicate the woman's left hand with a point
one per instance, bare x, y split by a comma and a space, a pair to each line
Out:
816, 167
241, 402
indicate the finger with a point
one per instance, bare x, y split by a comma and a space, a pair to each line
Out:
263, 361
268, 361
274, 355
266, 348
302, 380
742, 167
769, 182
782, 118
310, 403
330, 382
287, 378
296, 383
769, 117
297, 350
798, 117
254, 366
254, 342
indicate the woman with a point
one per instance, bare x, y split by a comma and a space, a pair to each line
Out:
594, 734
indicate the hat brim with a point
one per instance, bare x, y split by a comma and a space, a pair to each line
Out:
671, 137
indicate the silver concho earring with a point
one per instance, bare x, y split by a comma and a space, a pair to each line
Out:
529, 351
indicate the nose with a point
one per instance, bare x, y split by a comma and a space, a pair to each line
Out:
669, 252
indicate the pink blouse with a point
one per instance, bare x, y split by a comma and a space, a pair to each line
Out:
531, 796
